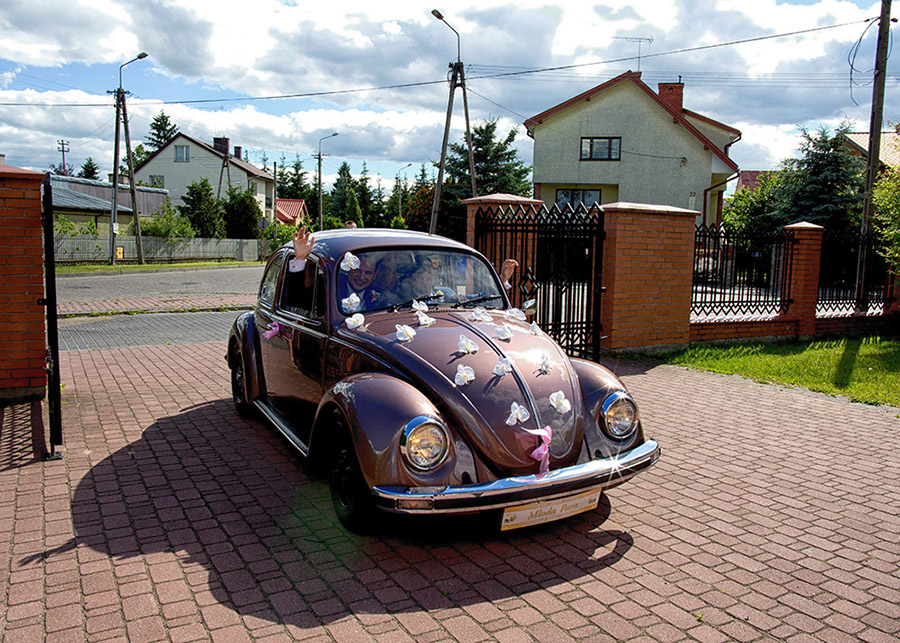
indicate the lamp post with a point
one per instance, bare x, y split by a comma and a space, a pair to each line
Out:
120, 99
320, 176
400, 191
457, 79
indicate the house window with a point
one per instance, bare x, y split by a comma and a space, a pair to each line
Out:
157, 181
182, 154
574, 198
601, 148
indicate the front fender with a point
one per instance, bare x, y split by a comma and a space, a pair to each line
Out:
376, 407
597, 383
243, 335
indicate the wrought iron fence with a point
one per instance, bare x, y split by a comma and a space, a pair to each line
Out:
739, 275
838, 274
560, 256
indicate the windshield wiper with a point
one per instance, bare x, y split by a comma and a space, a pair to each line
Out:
477, 300
409, 303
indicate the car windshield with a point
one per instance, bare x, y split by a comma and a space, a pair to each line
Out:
393, 279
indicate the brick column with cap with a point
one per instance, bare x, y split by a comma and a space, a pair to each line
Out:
22, 330
647, 272
804, 288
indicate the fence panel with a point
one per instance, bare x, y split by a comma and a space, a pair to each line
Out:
837, 274
89, 248
740, 275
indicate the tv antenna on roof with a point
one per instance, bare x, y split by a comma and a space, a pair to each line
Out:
638, 40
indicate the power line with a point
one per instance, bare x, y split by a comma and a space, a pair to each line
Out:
522, 72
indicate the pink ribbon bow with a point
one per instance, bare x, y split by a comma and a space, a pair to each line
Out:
274, 329
542, 452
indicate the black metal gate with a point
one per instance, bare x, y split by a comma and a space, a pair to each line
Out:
560, 254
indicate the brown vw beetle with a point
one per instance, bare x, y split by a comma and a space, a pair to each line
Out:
394, 362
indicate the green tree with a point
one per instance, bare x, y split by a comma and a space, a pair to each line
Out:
886, 200
203, 210
242, 214
62, 170
168, 224
759, 210
353, 211
497, 164
89, 170
365, 196
340, 193
292, 183
417, 207
162, 130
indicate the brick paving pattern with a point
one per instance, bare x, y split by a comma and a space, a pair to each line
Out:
772, 516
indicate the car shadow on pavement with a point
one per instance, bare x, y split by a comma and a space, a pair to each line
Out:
229, 497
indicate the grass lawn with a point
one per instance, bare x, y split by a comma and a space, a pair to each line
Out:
83, 268
865, 369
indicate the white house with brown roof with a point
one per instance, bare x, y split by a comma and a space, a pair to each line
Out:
185, 160
622, 141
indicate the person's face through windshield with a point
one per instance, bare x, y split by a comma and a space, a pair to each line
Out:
386, 276
361, 277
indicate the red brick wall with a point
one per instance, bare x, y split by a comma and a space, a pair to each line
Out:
647, 272
22, 330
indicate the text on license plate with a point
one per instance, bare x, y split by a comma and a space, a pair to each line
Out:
547, 510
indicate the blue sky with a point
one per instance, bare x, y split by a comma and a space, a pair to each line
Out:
69, 52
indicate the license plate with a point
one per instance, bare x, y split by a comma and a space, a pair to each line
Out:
548, 510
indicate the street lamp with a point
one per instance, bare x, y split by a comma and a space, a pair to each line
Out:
120, 102
400, 191
320, 176
457, 79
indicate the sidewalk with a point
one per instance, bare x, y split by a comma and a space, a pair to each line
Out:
156, 305
773, 515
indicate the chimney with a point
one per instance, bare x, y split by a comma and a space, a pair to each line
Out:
237, 151
672, 94
221, 145
2, 159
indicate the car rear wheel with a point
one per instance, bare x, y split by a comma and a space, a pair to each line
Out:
349, 494
238, 390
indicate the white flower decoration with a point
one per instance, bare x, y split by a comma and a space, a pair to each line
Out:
517, 413
464, 375
420, 306
528, 305
424, 320
466, 345
503, 367
351, 303
546, 365
515, 313
480, 315
405, 333
349, 262
534, 329
504, 332
355, 321
560, 403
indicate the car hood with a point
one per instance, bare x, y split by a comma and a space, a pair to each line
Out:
482, 407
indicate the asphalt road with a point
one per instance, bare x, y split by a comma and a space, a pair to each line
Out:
235, 280
121, 331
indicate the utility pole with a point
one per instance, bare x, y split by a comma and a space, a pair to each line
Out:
134, 207
873, 161
319, 157
115, 183
63, 147
457, 79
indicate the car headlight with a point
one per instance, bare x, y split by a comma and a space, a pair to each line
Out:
424, 442
619, 414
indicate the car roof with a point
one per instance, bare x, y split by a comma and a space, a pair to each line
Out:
332, 244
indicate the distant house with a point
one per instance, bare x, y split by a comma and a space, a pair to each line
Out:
185, 160
621, 141
889, 152
85, 202
291, 211
749, 179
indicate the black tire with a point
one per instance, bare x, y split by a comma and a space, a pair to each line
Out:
349, 493
238, 385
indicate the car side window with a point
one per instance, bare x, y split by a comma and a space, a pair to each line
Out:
270, 281
299, 290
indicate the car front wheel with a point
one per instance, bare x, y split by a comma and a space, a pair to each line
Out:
238, 390
349, 494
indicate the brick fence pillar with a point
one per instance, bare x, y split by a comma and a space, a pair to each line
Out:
804, 287
22, 330
647, 272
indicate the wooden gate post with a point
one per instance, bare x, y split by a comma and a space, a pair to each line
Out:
647, 275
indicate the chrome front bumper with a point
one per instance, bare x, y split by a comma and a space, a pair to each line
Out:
596, 474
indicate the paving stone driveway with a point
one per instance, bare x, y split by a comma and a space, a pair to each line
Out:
773, 515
